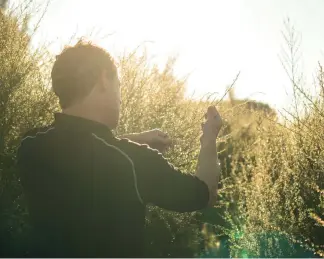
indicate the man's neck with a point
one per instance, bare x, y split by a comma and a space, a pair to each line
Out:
86, 113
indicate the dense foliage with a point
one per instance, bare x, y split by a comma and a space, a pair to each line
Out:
271, 195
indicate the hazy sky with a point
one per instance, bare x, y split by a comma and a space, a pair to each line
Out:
214, 39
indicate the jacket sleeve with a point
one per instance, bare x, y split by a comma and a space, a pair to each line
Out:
28, 171
36, 184
161, 184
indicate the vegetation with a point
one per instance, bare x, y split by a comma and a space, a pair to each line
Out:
271, 195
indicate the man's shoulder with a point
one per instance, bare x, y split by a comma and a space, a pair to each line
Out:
32, 133
29, 144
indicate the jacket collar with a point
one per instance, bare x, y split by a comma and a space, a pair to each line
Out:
81, 124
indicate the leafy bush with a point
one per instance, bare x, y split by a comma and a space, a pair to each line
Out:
277, 178
24, 103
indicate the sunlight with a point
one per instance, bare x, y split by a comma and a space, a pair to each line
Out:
213, 40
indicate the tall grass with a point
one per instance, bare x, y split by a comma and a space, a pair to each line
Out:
278, 174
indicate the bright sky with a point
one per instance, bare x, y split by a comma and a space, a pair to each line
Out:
214, 39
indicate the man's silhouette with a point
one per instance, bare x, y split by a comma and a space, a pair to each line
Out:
86, 189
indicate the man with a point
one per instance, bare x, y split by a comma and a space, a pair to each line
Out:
86, 189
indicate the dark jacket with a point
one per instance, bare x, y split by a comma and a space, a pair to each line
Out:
86, 190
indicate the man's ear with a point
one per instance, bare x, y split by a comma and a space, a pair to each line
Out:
103, 83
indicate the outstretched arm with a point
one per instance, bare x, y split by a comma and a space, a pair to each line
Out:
162, 184
155, 139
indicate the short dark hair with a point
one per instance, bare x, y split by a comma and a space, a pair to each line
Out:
77, 69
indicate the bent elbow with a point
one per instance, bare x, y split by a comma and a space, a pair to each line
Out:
212, 200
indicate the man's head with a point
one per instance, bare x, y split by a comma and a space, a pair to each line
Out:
85, 78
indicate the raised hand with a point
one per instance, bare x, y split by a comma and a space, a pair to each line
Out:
212, 125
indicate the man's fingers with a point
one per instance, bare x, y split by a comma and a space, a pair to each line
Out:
160, 133
163, 135
211, 108
168, 142
212, 113
163, 138
213, 122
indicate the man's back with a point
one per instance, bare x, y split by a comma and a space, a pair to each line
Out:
87, 190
